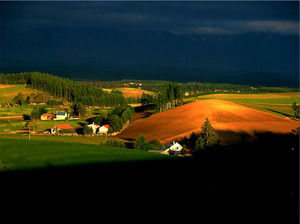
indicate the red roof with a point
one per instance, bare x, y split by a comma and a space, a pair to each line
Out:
47, 115
95, 124
62, 126
106, 125
62, 106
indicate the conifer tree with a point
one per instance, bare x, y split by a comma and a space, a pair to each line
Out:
208, 136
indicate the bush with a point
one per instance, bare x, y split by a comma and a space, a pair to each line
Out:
26, 117
114, 143
156, 144
148, 146
140, 142
87, 130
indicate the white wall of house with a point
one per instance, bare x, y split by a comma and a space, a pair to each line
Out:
103, 130
94, 128
175, 147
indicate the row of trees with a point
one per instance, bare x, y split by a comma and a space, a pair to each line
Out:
169, 95
64, 88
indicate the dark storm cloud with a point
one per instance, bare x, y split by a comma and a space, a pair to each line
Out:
226, 18
147, 38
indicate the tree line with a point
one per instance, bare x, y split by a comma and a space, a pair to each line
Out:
169, 95
66, 89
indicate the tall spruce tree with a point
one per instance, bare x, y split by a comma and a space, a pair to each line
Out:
208, 136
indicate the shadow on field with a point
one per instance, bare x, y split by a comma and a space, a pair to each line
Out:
254, 179
281, 113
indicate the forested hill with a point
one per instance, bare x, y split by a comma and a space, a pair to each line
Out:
65, 88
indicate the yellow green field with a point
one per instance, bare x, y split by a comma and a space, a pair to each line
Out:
275, 103
8, 92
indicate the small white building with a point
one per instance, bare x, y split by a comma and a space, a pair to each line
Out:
174, 147
104, 129
61, 116
94, 127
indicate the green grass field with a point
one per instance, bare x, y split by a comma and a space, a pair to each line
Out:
20, 154
275, 103
10, 91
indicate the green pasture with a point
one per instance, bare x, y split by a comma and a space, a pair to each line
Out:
20, 154
43, 125
11, 125
7, 94
54, 138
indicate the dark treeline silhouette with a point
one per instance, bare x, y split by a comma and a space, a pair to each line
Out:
202, 87
65, 88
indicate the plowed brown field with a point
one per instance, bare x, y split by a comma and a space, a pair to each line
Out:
224, 115
134, 92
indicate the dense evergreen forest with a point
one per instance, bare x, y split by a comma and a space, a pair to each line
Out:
64, 88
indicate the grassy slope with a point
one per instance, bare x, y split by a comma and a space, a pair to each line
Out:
10, 91
19, 154
276, 103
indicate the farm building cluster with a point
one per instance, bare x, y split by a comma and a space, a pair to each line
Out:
59, 116
66, 129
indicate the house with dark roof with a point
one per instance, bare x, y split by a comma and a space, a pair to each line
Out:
61, 116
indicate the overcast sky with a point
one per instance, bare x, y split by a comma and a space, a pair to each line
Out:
27, 29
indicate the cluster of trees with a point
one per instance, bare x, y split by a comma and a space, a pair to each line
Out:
78, 110
35, 113
207, 138
64, 88
169, 95
142, 144
116, 118
295, 109
21, 99
147, 99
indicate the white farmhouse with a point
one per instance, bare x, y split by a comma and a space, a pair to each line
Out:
172, 147
104, 129
94, 127
61, 116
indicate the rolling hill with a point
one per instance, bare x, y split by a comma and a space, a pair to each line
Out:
224, 115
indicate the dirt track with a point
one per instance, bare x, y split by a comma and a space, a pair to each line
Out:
224, 115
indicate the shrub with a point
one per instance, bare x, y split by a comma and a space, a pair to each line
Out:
87, 130
140, 142
156, 144
26, 117
114, 143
